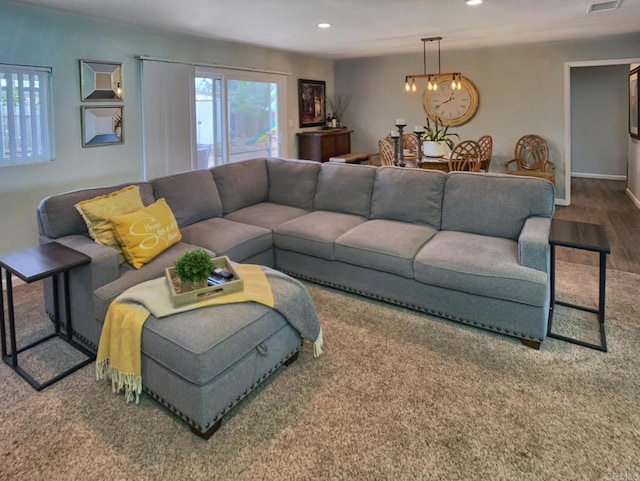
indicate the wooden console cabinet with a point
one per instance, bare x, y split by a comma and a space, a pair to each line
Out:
321, 144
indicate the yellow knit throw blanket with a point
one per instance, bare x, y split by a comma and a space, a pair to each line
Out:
119, 356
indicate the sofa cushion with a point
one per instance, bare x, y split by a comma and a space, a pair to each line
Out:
481, 265
229, 238
192, 196
144, 234
384, 245
241, 184
315, 233
345, 188
98, 212
494, 204
408, 195
266, 214
292, 182
58, 216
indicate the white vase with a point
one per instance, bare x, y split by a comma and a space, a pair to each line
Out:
435, 149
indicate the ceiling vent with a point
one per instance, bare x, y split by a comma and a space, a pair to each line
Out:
603, 6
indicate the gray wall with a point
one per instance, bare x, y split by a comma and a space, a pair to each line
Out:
599, 125
36, 36
521, 90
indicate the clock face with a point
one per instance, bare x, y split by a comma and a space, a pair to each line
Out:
451, 106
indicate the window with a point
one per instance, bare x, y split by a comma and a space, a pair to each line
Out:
26, 134
239, 115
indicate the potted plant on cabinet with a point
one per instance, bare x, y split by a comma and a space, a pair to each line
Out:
193, 268
437, 139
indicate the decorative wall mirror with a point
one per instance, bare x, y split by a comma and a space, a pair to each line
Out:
100, 81
102, 126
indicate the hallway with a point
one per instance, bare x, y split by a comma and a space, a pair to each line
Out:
604, 202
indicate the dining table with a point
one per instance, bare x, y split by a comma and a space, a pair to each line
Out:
432, 163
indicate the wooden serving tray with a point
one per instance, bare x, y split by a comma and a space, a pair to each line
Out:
180, 298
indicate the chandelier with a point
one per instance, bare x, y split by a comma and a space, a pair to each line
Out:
432, 78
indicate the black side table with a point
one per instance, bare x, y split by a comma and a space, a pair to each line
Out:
589, 237
34, 264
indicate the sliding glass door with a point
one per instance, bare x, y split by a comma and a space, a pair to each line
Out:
239, 115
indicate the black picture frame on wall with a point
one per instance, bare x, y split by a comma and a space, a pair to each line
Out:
634, 93
311, 102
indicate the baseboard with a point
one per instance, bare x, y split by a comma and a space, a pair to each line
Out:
633, 198
599, 176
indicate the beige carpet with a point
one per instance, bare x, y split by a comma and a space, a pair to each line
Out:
397, 396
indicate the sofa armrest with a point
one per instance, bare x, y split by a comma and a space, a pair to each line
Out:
105, 266
533, 243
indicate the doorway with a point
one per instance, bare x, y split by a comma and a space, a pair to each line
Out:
238, 115
567, 110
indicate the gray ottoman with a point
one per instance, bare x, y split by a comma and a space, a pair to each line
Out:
201, 363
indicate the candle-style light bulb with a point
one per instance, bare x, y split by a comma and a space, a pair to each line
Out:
435, 86
459, 84
407, 87
413, 86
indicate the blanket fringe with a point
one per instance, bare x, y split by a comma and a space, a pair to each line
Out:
317, 344
102, 369
127, 382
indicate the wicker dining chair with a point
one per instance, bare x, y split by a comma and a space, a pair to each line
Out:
531, 159
465, 156
486, 150
386, 152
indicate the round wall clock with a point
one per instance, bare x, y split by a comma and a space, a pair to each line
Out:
451, 106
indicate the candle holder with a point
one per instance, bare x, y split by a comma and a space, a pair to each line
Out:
394, 137
419, 134
400, 128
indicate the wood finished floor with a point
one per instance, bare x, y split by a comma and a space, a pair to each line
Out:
604, 202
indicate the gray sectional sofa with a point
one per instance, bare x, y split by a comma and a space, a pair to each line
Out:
469, 247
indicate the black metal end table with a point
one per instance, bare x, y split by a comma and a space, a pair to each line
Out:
589, 237
30, 265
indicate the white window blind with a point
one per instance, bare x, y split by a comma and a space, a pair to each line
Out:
167, 104
26, 127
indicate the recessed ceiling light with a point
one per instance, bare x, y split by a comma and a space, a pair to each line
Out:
324, 25
473, 2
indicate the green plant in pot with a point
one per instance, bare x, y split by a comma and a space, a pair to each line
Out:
437, 139
192, 268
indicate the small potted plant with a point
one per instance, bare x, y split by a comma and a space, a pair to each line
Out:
193, 268
437, 141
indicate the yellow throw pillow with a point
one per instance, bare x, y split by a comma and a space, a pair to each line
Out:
146, 233
97, 213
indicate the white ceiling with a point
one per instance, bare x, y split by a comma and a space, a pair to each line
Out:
366, 27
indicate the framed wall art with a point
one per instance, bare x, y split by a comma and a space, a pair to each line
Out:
102, 126
100, 81
634, 93
311, 102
